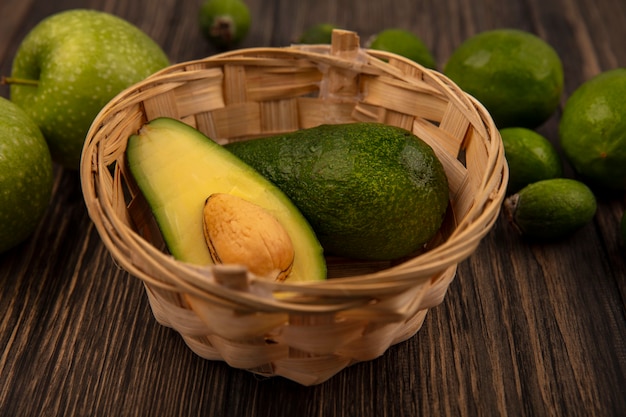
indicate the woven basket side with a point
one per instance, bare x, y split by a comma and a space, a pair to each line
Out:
306, 332
306, 348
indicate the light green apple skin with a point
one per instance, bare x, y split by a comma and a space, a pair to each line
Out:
26, 175
81, 59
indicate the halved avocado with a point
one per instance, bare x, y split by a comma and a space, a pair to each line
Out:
177, 168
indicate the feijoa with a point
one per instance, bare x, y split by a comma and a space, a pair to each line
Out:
592, 130
405, 43
319, 33
224, 23
551, 209
515, 74
531, 157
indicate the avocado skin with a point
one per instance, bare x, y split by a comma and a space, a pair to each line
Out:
369, 190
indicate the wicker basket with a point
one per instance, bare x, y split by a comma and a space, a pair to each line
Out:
306, 332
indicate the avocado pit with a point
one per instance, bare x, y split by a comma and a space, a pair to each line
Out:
240, 232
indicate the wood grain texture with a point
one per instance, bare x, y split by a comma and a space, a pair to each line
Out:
526, 329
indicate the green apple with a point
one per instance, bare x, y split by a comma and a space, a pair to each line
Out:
70, 65
26, 175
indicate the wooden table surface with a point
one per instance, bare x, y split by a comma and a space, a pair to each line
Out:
526, 329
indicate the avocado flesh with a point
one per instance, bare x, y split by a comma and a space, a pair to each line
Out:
177, 167
370, 191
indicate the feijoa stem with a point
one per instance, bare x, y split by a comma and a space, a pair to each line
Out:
510, 205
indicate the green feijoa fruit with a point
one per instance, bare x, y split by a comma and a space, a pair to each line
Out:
592, 130
404, 43
551, 209
515, 74
530, 156
224, 23
320, 33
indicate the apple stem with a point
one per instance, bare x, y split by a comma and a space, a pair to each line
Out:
19, 81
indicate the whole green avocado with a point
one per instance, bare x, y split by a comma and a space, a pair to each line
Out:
370, 191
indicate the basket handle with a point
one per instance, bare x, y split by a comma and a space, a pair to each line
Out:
345, 44
342, 84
